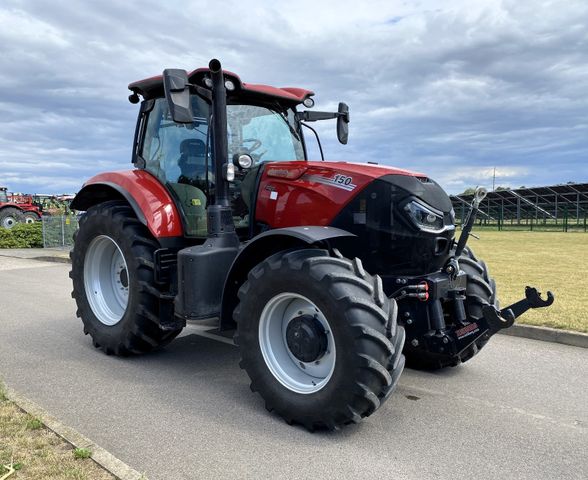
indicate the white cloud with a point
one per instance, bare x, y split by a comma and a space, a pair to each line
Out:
447, 88
22, 27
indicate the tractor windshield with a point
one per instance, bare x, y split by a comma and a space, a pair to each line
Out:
3, 196
180, 156
263, 133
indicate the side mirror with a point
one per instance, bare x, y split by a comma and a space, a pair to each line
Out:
177, 94
343, 123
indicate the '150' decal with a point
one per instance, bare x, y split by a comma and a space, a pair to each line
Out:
339, 181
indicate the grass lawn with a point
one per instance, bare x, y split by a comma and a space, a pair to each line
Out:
37, 453
553, 261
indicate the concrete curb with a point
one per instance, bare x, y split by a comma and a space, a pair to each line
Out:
104, 459
546, 334
53, 259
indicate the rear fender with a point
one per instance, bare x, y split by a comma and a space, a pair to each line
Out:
263, 246
11, 205
151, 202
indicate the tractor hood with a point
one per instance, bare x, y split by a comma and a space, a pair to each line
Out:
314, 193
392, 211
370, 169
407, 181
360, 173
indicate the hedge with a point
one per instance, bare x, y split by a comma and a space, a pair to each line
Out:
22, 235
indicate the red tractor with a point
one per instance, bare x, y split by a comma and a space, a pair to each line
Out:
15, 208
322, 269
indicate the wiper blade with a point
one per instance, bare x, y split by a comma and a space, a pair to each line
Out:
284, 117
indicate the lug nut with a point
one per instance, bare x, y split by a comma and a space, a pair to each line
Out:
445, 340
409, 321
414, 343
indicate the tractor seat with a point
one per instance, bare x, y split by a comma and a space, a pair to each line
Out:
192, 202
192, 161
192, 147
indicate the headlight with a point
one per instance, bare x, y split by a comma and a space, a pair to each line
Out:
424, 217
245, 161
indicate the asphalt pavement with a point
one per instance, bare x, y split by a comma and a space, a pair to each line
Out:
518, 410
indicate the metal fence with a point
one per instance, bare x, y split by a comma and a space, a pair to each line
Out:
561, 208
58, 230
565, 223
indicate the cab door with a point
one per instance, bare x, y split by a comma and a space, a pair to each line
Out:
179, 156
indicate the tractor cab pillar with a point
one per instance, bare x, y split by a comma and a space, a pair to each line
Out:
219, 250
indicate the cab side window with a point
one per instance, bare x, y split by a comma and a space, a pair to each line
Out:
177, 155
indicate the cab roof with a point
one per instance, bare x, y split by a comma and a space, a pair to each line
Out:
153, 87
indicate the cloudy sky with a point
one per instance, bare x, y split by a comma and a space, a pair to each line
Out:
452, 88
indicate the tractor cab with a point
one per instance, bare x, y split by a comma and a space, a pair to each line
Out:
3, 195
181, 157
262, 126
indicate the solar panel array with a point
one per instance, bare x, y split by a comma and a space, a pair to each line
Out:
548, 205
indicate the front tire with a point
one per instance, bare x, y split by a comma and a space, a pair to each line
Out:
10, 216
346, 359
113, 281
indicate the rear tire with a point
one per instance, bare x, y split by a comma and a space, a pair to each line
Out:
10, 216
480, 291
113, 252
362, 343
31, 217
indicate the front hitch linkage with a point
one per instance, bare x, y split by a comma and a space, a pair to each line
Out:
499, 319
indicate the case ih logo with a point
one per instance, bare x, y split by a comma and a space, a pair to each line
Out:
467, 330
338, 181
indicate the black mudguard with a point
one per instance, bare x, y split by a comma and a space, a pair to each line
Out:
96, 193
263, 246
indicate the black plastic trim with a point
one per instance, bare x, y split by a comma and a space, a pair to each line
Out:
253, 201
95, 193
260, 248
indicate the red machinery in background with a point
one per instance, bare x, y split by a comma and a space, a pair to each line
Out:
17, 208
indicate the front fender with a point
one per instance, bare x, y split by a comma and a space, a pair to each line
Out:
151, 202
262, 247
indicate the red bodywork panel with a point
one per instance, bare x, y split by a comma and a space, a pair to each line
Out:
290, 193
22, 202
157, 205
153, 86
313, 193
20, 206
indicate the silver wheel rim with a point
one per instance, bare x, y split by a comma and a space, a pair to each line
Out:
295, 375
29, 219
9, 222
106, 280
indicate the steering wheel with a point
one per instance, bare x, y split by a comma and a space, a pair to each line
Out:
255, 146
